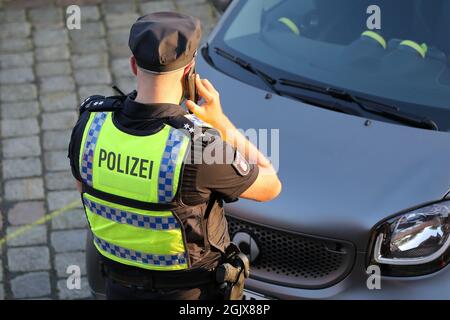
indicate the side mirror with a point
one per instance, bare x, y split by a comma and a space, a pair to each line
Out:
221, 5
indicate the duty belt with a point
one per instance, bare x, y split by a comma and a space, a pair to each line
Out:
160, 280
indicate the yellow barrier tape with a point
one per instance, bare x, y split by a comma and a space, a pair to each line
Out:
42, 220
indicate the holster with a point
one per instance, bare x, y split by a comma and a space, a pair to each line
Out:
232, 273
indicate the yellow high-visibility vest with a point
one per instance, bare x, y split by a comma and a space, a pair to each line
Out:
129, 186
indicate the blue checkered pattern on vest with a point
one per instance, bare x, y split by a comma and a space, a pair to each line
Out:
89, 147
131, 218
168, 165
141, 257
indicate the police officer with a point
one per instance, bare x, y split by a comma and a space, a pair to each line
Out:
154, 206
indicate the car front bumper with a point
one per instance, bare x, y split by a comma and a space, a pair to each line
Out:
434, 286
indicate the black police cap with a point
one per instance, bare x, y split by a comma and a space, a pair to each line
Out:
165, 41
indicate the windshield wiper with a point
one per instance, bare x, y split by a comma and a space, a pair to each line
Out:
271, 82
370, 106
367, 105
268, 80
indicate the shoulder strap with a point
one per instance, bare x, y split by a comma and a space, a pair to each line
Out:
185, 125
98, 103
193, 127
197, 121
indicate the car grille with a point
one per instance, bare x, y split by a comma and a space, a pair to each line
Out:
295, 260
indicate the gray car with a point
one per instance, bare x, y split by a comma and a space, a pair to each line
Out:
359, 92
364, 144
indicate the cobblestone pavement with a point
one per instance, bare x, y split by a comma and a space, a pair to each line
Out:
45, 71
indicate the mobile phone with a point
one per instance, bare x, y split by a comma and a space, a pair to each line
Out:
190, 87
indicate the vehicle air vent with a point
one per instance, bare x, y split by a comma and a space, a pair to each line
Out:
295, 260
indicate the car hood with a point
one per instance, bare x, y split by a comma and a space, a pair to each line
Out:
340, 177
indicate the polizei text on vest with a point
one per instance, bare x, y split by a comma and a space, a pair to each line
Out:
125, 164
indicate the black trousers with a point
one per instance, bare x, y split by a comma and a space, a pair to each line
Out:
116, 291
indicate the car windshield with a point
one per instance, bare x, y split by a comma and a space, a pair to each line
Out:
394, 50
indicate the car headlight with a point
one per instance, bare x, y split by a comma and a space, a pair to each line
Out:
413, 243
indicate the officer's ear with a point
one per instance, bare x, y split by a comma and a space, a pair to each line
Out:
133, 65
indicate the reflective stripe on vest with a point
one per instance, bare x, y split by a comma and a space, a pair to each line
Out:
167, 167
142, 168
141, 257
134, 219
89, 147
147, 233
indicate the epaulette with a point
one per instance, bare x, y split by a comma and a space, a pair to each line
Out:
197, 121
99, 103
208, 133
196, 128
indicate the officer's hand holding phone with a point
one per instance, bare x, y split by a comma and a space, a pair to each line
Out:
211, 110
267, 186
